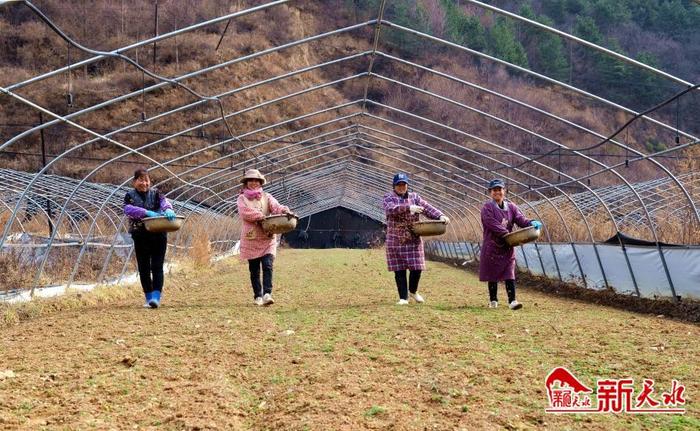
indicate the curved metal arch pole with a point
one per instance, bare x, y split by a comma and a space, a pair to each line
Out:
614, 172
194, 104
457, 195
144, 70
633, 160
191, 197
9, 209
329, 203
449, 156
307, 150
324, 198
525, 173
582, 42
48, 165
227, 174
375, 45
535, 74
72, 224
286, 151
216, 208
339, 160
509, 124
658, 246
41, 212
463, 212
463, 222
84, 246
465, 178
336, 120
529, 132
343, 118
279, 138
15, 196
549, 115
216, 176
550, 245
358, 204
480, 167
369, 181
515, 153
149, 41
556, 209
87, 213
86, 203
64, 154
242, 111
454, 209
242, 163
451, 203
327, 167
107, 260
110, 161
196, 73
265, 128
562, 219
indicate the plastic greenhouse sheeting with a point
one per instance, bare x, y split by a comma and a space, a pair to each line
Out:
649, 274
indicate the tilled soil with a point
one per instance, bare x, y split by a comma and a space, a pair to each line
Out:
333, 352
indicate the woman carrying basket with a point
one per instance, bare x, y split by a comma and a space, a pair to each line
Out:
404, 249
150, 247
257, 246
497, 259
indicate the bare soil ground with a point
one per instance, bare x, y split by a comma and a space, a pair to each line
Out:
334, 352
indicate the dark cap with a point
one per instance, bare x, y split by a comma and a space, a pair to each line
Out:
497, 183
400, 178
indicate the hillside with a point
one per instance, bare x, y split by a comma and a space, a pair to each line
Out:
31, 48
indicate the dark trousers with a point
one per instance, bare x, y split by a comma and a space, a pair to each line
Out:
254, 266
403, 286
510, 290
150, 254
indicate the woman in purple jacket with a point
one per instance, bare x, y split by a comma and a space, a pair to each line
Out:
404, 249
497, 261
144, 201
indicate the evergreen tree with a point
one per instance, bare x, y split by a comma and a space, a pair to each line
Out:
503, 44
463, 29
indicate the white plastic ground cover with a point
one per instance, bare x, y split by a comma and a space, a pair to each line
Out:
683, 264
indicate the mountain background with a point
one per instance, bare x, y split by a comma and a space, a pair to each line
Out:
657, 32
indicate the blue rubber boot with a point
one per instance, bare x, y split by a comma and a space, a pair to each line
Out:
148, 296
154, 302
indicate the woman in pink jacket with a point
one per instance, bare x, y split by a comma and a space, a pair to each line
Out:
257, 246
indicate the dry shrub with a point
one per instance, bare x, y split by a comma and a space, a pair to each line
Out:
14, 275
200, 250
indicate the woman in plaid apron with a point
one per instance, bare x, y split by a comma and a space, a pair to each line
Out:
404, 249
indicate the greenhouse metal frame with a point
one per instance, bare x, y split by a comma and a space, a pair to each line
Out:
347, 161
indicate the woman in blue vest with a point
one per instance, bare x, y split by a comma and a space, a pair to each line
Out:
139, 203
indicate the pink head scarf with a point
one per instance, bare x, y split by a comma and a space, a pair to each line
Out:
252, 194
